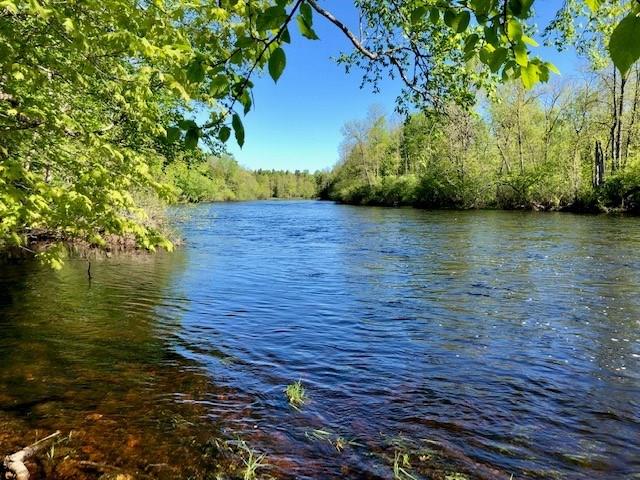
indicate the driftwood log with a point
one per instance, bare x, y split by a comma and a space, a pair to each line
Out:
13, 467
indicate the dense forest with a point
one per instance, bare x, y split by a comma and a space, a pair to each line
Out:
570, 144
207, 178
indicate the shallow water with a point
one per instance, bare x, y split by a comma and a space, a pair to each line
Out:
485, 343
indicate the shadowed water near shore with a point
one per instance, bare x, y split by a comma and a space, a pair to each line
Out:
477, 343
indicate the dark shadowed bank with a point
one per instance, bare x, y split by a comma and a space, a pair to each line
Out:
407, 191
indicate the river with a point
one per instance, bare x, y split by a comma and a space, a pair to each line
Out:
479, 344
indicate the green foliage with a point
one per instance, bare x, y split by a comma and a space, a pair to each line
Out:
94, 95
622, 190
296, 394
402, 466
624, 45
446, 51
277, 62
305, 22
528, 149
238, 128
252, 461
220, 179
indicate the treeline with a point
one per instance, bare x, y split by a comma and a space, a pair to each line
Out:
569, 145
206, 178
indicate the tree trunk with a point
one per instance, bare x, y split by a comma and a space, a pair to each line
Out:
520, 149
614, 123
632, 121
598, 176
618, 147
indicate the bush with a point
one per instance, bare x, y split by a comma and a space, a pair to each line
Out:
622, 190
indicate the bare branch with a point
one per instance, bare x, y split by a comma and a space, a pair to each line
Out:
356, 43
14, 464
386, 55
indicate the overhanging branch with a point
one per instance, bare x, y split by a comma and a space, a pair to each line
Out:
389, 55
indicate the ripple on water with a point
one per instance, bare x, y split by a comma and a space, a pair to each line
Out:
488, 343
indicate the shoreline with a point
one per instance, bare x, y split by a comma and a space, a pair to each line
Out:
117, 245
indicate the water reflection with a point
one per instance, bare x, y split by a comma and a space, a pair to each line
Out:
95, 358
489, 343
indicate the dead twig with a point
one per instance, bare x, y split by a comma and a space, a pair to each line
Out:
13, 465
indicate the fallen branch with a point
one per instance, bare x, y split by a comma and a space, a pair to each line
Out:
13, 465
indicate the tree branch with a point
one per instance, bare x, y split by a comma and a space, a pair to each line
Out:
14, 464
356, 43
247, 78
388, 55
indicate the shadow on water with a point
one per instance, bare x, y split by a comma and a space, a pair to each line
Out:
438, 344
94, 359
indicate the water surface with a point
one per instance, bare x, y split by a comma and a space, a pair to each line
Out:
482, 343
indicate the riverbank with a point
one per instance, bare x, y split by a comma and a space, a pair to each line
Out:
39, 243
424, 193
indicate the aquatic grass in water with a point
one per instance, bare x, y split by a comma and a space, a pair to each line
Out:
458, 476
401, 464
52, 452
296, 394
336, 441
252, 461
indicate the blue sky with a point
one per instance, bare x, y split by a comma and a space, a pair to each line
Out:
296, 123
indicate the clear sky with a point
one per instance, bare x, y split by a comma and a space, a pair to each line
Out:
296, 123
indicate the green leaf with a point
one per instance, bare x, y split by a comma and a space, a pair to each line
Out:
544, 72
271, 19
497, 59
471, 42
244, 42
285, 36
238, 129
464, 18
418, 14
458, 21
219, 86
191, 138
434, 16
277, 62
307, 13
305, 29
530, 75
514, 30
481, 7
593, 5
486, 53
245, 100
173, 133
9, 6
520, 8
68, 25
552, 68
195, 72
224, 134
520, 51
494, 58
185, 124
624, 45
491, 35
